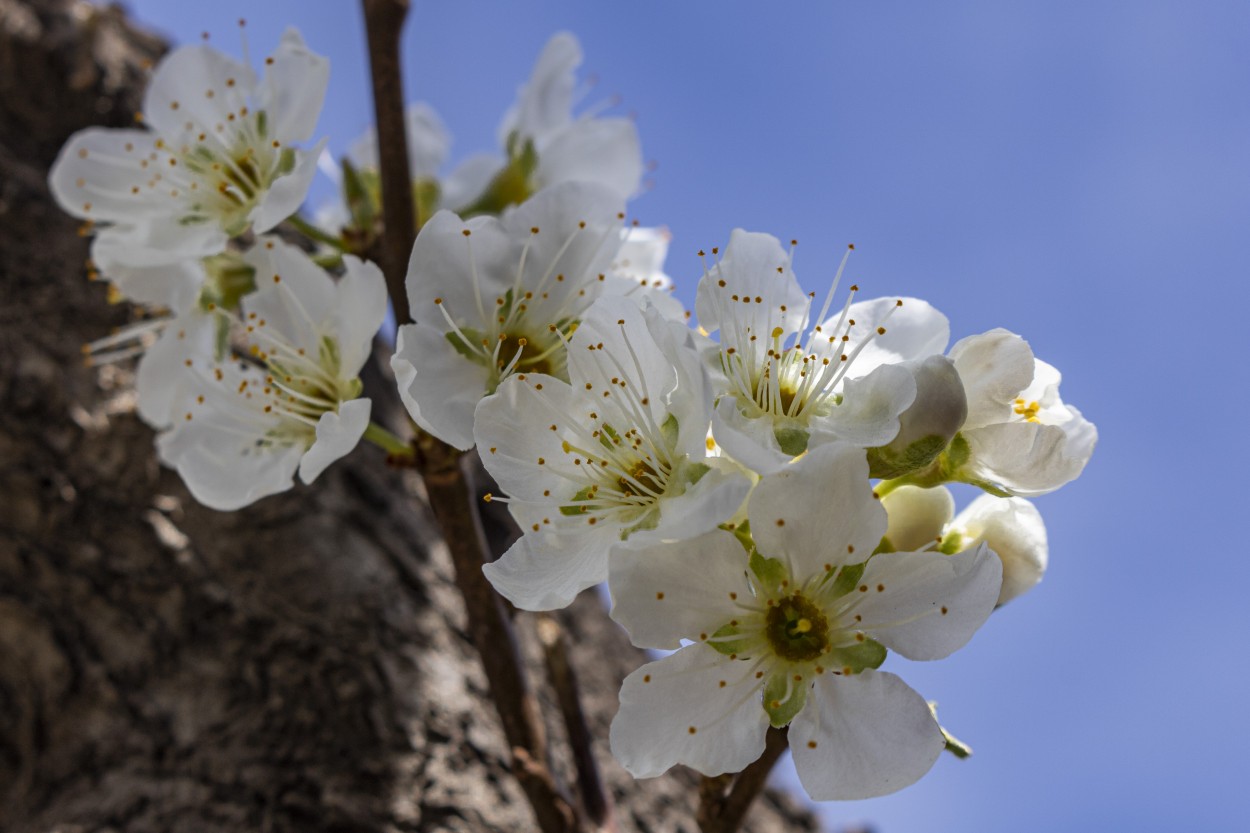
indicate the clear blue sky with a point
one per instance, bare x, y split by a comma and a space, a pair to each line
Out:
1076, 172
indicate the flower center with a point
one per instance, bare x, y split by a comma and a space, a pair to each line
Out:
1027, 410
797, 629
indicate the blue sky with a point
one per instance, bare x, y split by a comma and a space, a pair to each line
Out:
1076, 172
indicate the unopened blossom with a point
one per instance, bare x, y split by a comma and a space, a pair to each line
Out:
615, 456
289, 400
1011, 527
216, 155
497, 296
929, 424
794, 376
1020, 438
545, 143
793, 635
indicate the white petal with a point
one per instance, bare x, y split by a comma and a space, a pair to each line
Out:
184, 77
439, 387
293, 89
546, 572
545, 102
428, 142
162, 371
173, 282
222, 470
664, 593
871, 405
1013, 529
299, 302
712, 501
749, 440
287, 192
361, 296
1029, 459
163, 240
994, 366
513, 430
465, 272
606, 151
913, 331
754, 266
337, 434
917, 516
818, 510
97, 171
926, 605
862, 736
697, 708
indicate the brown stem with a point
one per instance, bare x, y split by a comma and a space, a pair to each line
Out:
453, 505
384, 21
596, 801
721, 813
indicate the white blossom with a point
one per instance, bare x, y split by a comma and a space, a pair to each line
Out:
793, 377
289, 401
617, 455
1020, 438
793, 636
216, 157
496, 296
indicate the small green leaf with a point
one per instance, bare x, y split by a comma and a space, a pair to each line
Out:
780, 707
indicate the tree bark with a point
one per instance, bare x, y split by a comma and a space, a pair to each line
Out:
302, 665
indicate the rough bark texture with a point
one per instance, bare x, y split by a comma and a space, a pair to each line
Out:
299, 666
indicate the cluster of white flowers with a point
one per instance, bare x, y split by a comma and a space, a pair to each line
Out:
768, 503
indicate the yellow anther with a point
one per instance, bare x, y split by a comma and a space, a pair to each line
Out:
802, 626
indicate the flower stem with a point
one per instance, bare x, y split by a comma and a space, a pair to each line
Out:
387, 441
309, 230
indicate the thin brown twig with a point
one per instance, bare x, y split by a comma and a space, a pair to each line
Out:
453, 505
384, 22
725, 813
596, 801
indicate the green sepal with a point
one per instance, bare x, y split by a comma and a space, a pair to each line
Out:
457, 343
847, 580
954, 745
775, 689
328, 355
770, 572
951, 543
608, 436
582, 494
510, 186
426, 194
286, 161
361, 195
793, 441
729, 646
743, 533
867, 654
887, 463
262, 124
668, 430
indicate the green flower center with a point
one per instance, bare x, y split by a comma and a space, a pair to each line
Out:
796, 629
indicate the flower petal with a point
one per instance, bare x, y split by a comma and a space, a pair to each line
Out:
697, 708
178, 92
293, 89
606, 151
754, 266
994, 366
713, 500
287, 192
750, 441
513, 430
439, 387
361, 294
223, 470
337, 434
914, 330
546, 572
926, 605
162, 371
469, 179
688, 589
1013, 528
464, 265
103, 174
1027, 458
545, 102
818, 510
862, 736
871, 405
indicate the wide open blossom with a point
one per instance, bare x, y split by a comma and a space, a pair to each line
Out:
617, 455
216, 157
546, 144
792, 377
497, 296
794, 638
1011, 527
1020, 438
289, 400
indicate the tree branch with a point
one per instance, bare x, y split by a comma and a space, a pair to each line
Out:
384, 22
721, 813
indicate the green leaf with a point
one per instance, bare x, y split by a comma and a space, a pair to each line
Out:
780, 709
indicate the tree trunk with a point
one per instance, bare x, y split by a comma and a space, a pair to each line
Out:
298, 666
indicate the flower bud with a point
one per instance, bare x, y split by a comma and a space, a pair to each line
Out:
918, 517
1013, 528
927, 427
